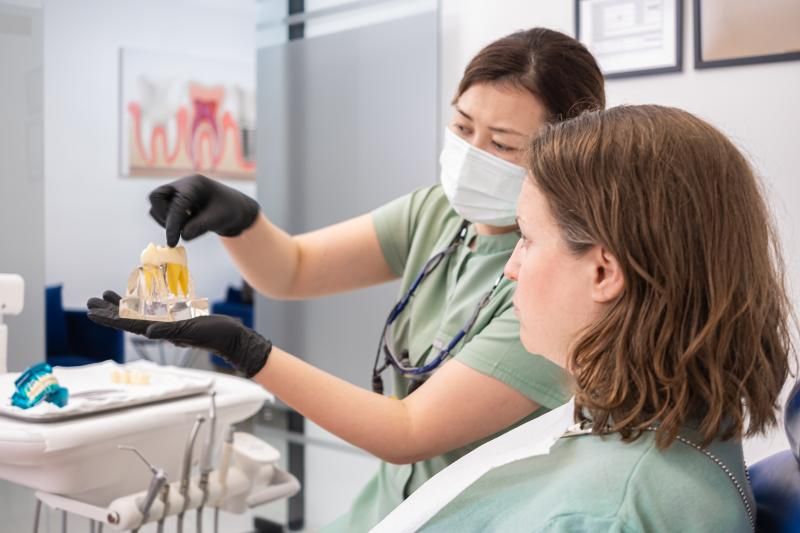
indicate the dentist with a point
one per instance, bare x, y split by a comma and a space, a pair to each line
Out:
451, 344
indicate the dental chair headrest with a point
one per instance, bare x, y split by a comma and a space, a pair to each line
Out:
792, 420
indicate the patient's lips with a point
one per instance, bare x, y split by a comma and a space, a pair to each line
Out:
161, 287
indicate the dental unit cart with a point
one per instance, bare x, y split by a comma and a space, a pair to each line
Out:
120, 452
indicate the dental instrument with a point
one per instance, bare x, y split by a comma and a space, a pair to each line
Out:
205, 460
187, 469
37, 515
165, 503
247, 484
222, 473
157, 483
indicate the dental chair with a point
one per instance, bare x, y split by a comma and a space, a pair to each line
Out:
74, 340
776, 480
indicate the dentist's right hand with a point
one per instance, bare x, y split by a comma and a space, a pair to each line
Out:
194, 205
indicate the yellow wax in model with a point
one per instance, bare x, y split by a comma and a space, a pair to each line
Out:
173, 261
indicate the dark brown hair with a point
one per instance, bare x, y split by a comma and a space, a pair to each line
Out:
701, 333
555, 68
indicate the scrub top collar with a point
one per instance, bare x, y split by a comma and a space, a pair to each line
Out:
492, 244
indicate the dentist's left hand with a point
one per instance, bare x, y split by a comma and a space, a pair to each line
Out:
191, 206
243, 348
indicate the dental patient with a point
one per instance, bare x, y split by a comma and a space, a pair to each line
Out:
649, 269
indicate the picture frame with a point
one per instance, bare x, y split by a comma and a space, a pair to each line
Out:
182, 115
631, 38
731, 38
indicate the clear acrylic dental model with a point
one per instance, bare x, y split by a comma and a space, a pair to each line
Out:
160, 288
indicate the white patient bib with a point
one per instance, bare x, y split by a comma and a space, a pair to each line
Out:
532, 438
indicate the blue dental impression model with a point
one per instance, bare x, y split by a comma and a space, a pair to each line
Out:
38, 384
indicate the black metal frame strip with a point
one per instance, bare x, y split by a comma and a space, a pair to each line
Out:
297, 30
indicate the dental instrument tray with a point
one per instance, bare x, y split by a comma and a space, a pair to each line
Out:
104, 387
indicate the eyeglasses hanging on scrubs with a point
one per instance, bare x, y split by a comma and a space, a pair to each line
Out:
402, 364
481, 188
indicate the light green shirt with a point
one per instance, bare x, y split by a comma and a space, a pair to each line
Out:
593, 483
410, 230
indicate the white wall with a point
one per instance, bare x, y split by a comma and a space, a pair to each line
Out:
97, 222
21, 183
755, 105
468, 25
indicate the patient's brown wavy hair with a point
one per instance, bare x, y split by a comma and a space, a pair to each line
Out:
701, 332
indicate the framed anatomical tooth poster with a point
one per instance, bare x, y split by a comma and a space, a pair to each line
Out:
181, 115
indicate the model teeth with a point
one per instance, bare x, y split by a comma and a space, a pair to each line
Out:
163, 262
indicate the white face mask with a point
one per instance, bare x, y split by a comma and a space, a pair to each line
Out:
481, 187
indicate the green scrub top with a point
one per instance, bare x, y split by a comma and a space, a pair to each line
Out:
593, 483
410, 230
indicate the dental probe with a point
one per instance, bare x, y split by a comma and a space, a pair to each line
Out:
205, 459
157, 482
187, 468
165, 501
227, 448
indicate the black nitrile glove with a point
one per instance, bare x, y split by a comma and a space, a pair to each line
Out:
196, 204
243, 348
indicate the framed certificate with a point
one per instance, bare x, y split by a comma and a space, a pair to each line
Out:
744, 32
632, 37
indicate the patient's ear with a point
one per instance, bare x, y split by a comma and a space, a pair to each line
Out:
608, 281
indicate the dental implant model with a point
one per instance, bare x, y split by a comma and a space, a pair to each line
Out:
160, 288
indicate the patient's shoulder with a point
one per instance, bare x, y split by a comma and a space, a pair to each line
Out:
683, 487
636, 486
594, 483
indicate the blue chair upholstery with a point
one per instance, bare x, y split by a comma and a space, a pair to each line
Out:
791, 419
234, 306
55, 322
776, 479
72, 339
